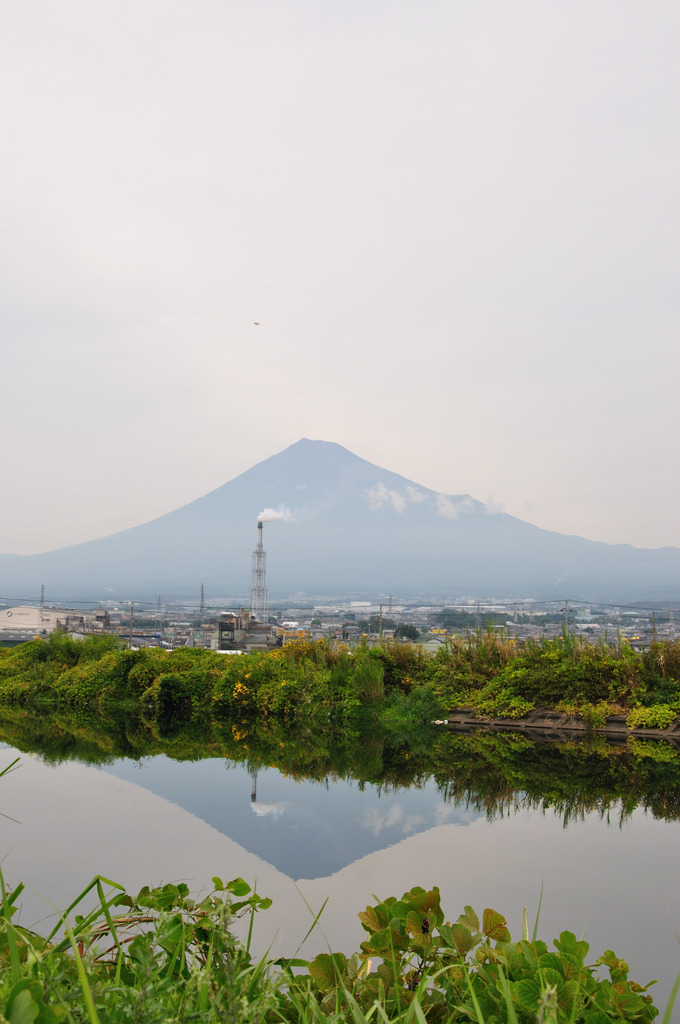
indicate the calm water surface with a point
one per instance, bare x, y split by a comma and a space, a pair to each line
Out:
156, 820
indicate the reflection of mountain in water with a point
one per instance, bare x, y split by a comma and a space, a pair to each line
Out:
305, 829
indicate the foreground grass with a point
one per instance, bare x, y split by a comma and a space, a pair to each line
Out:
161, 956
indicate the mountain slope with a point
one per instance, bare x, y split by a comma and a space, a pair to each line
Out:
345, 525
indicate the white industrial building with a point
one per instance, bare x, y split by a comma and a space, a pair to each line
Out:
37, 618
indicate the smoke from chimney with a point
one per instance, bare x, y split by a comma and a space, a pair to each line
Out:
272, 515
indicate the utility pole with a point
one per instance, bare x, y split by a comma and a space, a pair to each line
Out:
132, 617
201, 610
566, 616
380, 632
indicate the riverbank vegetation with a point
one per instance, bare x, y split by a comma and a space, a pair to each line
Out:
316, 712
302, 681
165, 956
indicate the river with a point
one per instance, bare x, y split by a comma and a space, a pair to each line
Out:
608, 875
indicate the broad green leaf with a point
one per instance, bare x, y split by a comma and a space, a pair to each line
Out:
593, 1016
370, 920
571, 946
469, 919
22, 1007
495, 926
422, 943
383, 942
555, 962
414, 893
171, 934
327, 970
26, 1005
527, 993
458, 937
238, 887
415, 923
398, 912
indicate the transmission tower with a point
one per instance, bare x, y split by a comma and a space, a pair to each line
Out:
259, 598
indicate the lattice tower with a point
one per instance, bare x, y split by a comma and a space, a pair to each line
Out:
259, 597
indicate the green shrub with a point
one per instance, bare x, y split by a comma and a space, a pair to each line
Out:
660, 716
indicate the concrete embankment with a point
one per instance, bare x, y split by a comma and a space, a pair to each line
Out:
558, 725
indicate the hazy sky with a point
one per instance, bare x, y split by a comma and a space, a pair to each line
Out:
456, 223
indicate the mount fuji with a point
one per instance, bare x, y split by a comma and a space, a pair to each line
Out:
335, 524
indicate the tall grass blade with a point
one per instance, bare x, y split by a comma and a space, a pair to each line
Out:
107, 914
84, 983
505, 988
538, 914
11, 937
92, 916
475, 1001
666, 1019
10, 767
314, 922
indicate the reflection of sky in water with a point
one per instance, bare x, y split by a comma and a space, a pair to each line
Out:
619, 884
305, 829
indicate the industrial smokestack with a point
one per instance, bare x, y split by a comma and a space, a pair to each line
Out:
259, 598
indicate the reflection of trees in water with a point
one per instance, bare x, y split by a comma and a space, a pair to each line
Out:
488, 772
499, 774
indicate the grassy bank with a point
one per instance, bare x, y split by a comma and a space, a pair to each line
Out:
317, 682
161, 956
302, 682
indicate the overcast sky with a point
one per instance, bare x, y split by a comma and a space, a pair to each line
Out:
455, 222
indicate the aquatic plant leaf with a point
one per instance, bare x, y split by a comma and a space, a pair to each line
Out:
415, 923
398, 911
458, 937
384, 942
328, 969
527, 993
469, 919
495, 926
373, 919
569, 945
26, 1005
171, 933
237, 887
596, 1017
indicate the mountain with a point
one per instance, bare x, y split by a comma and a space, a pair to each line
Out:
338, 524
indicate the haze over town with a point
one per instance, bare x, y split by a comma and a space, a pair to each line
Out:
444, 236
